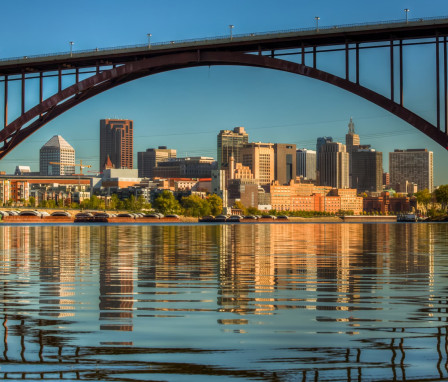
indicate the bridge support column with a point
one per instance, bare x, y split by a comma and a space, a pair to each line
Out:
392, 80
5, 109
445, 80
347, 68
357, 63
303, 53
438, 80
23, 93
401, 72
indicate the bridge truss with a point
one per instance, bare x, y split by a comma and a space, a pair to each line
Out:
108, 68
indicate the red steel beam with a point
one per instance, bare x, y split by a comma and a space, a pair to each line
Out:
392, 79
5, 114
77, 93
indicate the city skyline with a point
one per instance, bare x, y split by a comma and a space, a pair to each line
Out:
184, 109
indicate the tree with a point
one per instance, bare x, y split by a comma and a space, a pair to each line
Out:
194, 205
424, 197
32, 201
166, 203
215, 204
142, 203
240, 206
113, 204
441, 194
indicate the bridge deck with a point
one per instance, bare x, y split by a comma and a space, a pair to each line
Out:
292, 39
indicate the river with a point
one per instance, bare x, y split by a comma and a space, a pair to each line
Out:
276, 302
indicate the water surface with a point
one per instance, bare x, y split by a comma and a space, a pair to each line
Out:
277, 302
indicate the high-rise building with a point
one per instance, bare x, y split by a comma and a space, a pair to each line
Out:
116, 143
333, 163
306, 163
321, 141
259, 157
284, 162
367, 170
190, 167
230, 144
413, 165
56, 150
148, 160
351, 139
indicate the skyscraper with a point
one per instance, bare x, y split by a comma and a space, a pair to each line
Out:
413, 165
57, 150
259, 157
367, 170
333, 165
284, 162
147, 160
230, 144
351, 139
116, 143
306, 163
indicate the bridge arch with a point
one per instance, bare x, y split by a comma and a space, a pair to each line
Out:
73, 95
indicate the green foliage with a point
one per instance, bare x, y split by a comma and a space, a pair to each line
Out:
93, 203
441, 195
32, 201
166, 203
215, 203
424, 197
195, 206
240, 206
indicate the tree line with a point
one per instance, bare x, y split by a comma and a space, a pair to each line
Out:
429, 200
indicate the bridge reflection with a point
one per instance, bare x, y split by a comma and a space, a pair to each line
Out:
59, 298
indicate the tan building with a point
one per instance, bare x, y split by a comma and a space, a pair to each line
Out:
259, 157
333, 165
230, 143
307, 197
413, 165
116, 143
285, 162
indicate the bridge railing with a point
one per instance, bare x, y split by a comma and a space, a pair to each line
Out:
224, 38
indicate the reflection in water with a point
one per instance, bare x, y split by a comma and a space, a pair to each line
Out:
271, 301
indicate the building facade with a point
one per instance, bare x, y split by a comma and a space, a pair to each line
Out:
230, 143
413, 165
284, 162
148, 160
190, 167
333, 166
116, 143
306, 163
56, 157
259, 157
367, 170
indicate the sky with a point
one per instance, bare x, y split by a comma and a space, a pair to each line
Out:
186, 109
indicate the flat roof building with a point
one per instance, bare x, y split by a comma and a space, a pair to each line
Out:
413, 165
116, 143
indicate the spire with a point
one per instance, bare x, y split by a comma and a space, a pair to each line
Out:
351, 126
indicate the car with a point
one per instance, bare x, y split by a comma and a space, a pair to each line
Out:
61, 213
30, 213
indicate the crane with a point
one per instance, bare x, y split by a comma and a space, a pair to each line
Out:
80, 165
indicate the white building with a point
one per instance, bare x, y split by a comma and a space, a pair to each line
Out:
57, 150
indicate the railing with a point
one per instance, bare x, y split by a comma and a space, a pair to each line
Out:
226, 37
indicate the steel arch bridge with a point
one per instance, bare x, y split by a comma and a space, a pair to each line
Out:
108, 68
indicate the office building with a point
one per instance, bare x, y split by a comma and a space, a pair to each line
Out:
306, 163
367, 170
321, 141
57, 157
230, 144
351, 138
190, 167
148, 160
284, 162
333, 161
259, 157
413, 165
116, 143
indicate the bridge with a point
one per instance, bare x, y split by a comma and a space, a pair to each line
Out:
103, 69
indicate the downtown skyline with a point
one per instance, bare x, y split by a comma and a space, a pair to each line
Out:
184, 109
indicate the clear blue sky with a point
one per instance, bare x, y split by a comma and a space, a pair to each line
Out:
185, 109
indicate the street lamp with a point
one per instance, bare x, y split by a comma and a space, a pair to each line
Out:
406, 10
71, 47
317, 18
231, 28
149, 40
